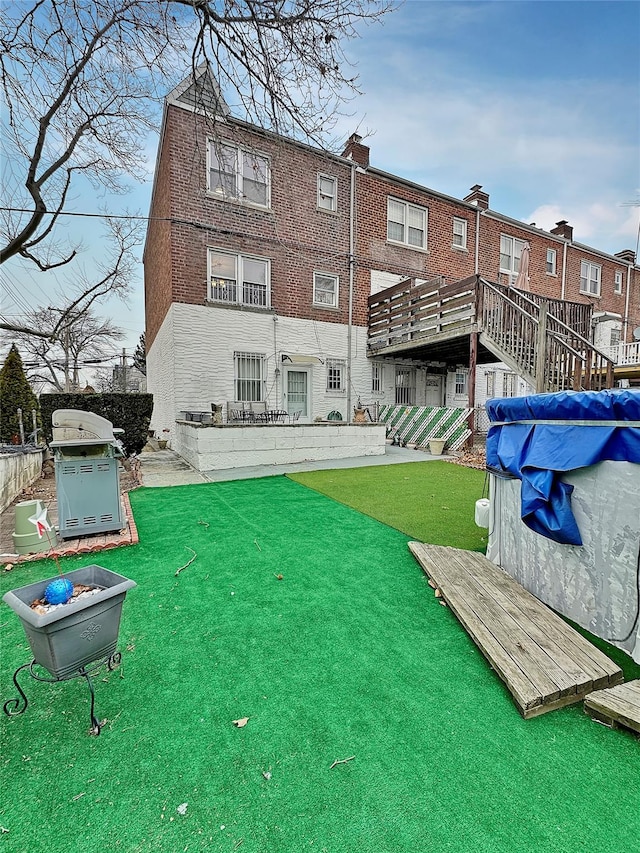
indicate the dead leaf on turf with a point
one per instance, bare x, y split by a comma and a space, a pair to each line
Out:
241, 722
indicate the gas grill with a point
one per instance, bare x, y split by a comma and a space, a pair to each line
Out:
86, 452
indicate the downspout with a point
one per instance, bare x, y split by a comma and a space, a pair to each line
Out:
352, 205
626, 305
477, 258
564, 269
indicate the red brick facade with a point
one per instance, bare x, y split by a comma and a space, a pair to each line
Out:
298, 238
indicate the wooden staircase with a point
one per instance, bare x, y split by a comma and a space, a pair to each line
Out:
543, 340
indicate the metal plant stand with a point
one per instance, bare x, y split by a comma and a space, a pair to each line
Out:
14, 707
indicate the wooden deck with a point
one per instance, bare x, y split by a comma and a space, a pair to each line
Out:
617, 706
544, 662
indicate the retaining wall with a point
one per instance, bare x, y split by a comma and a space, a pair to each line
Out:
210, 447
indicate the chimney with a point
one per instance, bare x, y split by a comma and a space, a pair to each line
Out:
354, 150
563, 229
626, 255
477, 197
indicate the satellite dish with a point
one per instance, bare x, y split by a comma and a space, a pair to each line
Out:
636, 334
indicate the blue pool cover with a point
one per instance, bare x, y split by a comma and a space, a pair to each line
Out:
540, 437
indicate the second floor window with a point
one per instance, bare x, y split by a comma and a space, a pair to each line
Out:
617, 282
406, 224
459, 233
327, 193
590, 277
551, 261
325, 289
336, 370
510, 254
238, 174
239, 279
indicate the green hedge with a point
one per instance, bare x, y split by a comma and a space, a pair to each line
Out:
130, 412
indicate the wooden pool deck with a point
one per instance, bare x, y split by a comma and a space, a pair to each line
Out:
617, 706
544, 663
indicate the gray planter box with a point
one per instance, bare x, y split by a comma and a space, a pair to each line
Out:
79, 632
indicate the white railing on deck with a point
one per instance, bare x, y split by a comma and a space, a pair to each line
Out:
623, 353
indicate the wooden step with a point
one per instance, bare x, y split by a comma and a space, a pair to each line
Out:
544, 663
616, 706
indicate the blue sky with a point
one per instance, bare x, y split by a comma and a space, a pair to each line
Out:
539, 102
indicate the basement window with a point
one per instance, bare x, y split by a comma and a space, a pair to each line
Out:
249, 376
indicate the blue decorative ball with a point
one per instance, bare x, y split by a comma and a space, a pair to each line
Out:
59, 591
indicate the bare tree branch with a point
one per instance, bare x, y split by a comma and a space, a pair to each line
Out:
81, 80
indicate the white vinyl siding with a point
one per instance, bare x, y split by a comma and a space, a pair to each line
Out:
510, 253
239, 279
459, 233
327, 193
590, 278
406, 224
236, 173
325, 289
249, 376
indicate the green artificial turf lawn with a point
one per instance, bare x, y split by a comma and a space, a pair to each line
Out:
349, 654
431, 502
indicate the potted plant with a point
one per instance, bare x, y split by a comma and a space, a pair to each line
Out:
436, 446
69, 634
163, 440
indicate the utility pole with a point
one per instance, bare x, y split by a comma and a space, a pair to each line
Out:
124, 370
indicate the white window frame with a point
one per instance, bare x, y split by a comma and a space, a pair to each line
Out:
405, 386
490, 377
509, 247
320, 289
248, 388
590, 278
508, 384
377, 376
237, 291
459, 236
615, 336
552, 260
336, 375
239, 173
327, 201
461, 383
408, 210
618, 280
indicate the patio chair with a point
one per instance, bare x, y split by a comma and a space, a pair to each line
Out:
295, 416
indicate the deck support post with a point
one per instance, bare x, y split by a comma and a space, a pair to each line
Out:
471, 386
541, 349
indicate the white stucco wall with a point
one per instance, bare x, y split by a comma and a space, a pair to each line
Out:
200, 370
210, 448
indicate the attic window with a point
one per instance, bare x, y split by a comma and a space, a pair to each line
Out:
236, 173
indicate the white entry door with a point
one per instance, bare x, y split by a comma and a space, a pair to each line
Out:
297, 393
433, 390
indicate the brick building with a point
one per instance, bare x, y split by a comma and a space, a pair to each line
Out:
262, 253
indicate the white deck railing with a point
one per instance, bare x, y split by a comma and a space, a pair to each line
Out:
623, 353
